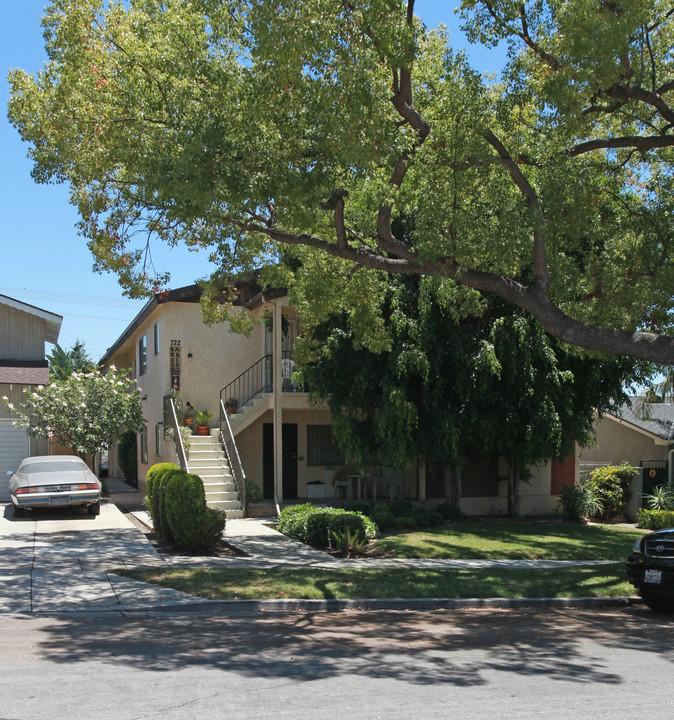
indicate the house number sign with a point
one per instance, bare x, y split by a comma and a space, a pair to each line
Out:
175, 364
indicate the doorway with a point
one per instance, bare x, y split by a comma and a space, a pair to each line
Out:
289, 450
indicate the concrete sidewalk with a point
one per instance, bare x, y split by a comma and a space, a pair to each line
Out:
64, 563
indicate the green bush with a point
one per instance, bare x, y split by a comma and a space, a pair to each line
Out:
382, 516
405, 523
655, 519
253, 493
161, 523
402, 508
433, 518
152, 482
449, 512
127, 456
314, 526
194, 527
611, 487
360, 506
579, 501
662, 498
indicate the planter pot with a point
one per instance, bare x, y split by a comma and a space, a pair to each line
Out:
188, 422
202, 430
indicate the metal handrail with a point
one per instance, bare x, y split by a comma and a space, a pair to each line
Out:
232, 452
253, 381
177, 437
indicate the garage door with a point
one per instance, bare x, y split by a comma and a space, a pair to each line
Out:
14, 447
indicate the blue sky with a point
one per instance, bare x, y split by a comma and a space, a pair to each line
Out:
44, 261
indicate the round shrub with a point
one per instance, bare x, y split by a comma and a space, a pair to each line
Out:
434, 518
314, 526
405, 523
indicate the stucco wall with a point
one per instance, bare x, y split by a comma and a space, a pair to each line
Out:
617, 442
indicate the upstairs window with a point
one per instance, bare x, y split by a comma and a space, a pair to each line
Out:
142, 355
156, 338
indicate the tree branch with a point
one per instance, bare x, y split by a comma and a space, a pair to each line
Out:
531, 198
635, 141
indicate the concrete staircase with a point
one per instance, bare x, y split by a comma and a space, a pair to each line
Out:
208, 460
246, 414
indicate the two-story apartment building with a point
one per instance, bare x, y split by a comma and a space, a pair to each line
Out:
24, 329
284, 442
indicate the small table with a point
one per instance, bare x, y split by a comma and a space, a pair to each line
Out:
359, 480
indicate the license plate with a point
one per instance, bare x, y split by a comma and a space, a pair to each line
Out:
653, 576
59, 500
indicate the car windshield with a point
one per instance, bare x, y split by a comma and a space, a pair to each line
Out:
56, 466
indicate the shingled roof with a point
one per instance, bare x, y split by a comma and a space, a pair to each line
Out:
660, 422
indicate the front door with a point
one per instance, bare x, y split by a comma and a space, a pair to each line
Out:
289, 449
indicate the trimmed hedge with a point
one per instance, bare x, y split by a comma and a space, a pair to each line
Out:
194, 527
655, 519
314, 525
177, 503
154, 474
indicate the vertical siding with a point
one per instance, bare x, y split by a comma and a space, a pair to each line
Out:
21, 335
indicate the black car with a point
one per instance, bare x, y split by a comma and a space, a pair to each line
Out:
650, 568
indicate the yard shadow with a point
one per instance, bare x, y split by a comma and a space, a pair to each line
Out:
456, 648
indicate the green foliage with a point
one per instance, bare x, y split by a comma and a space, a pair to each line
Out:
254, 493
662, 498
88, 412
403, 508
203, 417
655, 519
580, 501
63, 363
611, 486
449, 512
154, 475
193, 526
127, 456
239, 129
314, 526
449, 392
347, 542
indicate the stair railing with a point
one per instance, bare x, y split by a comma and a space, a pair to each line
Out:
171, 418
253, 381
232, 452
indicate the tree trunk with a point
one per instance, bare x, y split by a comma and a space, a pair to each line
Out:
453, 484
514, 508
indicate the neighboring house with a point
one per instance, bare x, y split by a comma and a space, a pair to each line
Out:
625, 436
285, 443
24, 329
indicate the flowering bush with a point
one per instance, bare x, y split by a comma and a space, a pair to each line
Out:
87, 412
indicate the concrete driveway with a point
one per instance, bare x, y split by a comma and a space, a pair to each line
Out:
55, 562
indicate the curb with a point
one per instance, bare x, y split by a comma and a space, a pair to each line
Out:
366, 604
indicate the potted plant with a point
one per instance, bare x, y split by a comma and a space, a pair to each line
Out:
202, 419
188, 418
230, 405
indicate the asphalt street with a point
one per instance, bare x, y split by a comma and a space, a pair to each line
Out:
557, 663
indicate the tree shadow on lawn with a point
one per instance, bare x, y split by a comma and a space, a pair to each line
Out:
462, 648
553, 541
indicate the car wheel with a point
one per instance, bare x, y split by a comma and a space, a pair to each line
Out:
656, 602
95, 508
19, 511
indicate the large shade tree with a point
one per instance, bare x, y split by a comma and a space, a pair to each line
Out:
240, 126
452, 391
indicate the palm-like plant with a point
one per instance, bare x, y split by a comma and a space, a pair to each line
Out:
662, 498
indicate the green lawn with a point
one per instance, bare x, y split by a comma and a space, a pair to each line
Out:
607, 580
558, 541
506, 540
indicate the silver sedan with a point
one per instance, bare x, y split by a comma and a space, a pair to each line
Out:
49, 481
